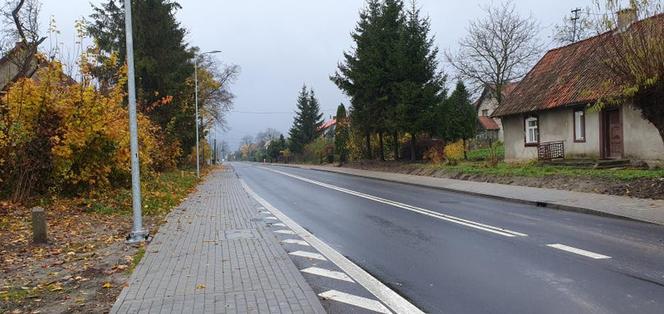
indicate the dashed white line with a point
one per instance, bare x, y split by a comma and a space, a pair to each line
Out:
295, 241
354, 300
284, 231
308, 255
574, 250
327, 273
279, 225
423, 211
271, 218
386, 295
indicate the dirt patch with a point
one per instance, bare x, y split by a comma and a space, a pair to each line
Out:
82, 269
652, 188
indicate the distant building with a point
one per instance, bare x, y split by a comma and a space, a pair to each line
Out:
490, 127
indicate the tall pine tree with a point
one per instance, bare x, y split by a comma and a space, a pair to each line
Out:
342, 134
163, 61
307, 123
422, 87
457, 116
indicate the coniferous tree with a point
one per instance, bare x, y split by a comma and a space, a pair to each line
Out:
342, 134
356, 75
163, 60
422, 87
307, 123
458, 117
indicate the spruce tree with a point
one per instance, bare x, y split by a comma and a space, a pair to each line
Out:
342, 134
307, 122
458, 116
422, 87
163, 61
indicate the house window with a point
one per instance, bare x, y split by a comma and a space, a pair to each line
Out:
532, 131
485, 112
579, 125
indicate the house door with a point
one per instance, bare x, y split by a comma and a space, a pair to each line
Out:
613, 134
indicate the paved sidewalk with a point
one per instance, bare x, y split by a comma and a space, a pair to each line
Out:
215, 255
646, 210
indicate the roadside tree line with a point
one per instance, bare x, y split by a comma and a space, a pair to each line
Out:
63, 130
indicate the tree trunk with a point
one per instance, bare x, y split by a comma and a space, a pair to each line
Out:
396, 145
382, 146
465, 151
369, 152
413, 151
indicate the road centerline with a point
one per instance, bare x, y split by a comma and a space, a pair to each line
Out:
468, 223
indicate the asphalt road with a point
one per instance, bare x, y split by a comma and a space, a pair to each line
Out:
454, 253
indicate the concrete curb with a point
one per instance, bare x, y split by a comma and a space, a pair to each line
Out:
542, 204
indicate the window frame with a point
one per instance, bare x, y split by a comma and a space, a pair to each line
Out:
582, 126
526, 129
485, 112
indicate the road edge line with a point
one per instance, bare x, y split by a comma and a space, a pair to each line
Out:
540, 204
386, 295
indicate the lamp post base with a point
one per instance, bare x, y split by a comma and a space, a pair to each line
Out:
136, 237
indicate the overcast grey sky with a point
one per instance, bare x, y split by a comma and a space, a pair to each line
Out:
282, 44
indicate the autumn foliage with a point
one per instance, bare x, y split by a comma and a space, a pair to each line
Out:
60, 135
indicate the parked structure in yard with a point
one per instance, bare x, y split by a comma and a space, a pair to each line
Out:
491, 127
548, 115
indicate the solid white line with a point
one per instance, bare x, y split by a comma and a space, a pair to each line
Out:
392, 299
423, 211
574, 250
284, 231
308, 255
294, 241
279, 225
327, 273
354, 300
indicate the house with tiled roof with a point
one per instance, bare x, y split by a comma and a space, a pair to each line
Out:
550, 113
491, 127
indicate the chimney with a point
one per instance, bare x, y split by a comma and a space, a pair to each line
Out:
625, 18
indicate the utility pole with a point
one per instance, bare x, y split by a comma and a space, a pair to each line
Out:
198, 155
138, 234
575, 19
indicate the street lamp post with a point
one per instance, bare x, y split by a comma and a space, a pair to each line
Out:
198, 155
138, 234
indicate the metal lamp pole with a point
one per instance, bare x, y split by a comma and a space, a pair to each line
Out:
138, 234
198, 155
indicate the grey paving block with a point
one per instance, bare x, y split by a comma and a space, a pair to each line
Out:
214, 256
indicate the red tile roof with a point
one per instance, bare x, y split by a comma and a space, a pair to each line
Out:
488, 123
328, 124
569, 75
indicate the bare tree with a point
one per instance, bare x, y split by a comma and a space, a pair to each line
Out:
499, 48
215, 96
21, 27
269, 134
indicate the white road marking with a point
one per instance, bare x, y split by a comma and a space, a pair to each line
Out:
308, 255
392, 299
294, 241
271, 218
264, 212
279, 225
423, 211
284, 231
327, 273
354, 300
574, 250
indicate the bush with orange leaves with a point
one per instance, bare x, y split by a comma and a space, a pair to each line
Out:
59, 135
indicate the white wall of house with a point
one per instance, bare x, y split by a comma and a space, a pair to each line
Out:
641, 139
490, 104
